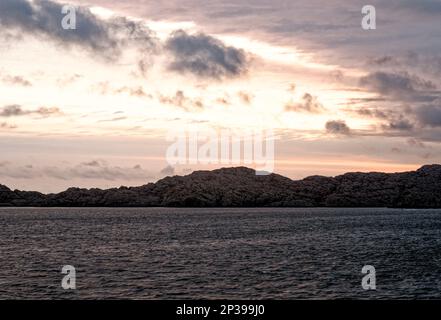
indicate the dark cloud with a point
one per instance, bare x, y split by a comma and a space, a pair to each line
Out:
383, 60
429, 115
42, 18
332, 31
205, 56
421, 122
366, 100
402, 86
428, 63
17, 110
308, 104
375, 113
12, 110
432, 7
337, 127
395, 120
401, 125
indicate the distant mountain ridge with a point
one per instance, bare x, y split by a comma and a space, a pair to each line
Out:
241, 187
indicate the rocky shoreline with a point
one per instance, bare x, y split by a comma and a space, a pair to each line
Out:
241, 187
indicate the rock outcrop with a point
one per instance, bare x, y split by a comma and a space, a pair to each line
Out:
241, 187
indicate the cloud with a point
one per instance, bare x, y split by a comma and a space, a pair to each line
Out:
245, 97
395, 120
427, 6
224, 100
337, 75
376, 113
429, 115
337, 127
332, 32
5, 125
96, 169
309, 104
67, 80
42, 18
428, 62
401, 125
93, 163
17, 110
383, 60
17, 80
133, 91
205, 56
105, 88
168, 171
401, 86
415, 143
181, 100
12, 110
421, 122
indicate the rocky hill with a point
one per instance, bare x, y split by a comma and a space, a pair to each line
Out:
240, 187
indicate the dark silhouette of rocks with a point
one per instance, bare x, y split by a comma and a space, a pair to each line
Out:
241, 187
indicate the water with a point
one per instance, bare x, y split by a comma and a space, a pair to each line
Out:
158, 253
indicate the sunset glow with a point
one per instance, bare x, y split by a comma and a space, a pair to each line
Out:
340, 98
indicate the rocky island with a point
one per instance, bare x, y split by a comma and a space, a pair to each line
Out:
241, 187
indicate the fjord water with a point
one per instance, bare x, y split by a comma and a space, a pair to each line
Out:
158, 253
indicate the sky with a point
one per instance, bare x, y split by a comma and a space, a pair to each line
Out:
94, 106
